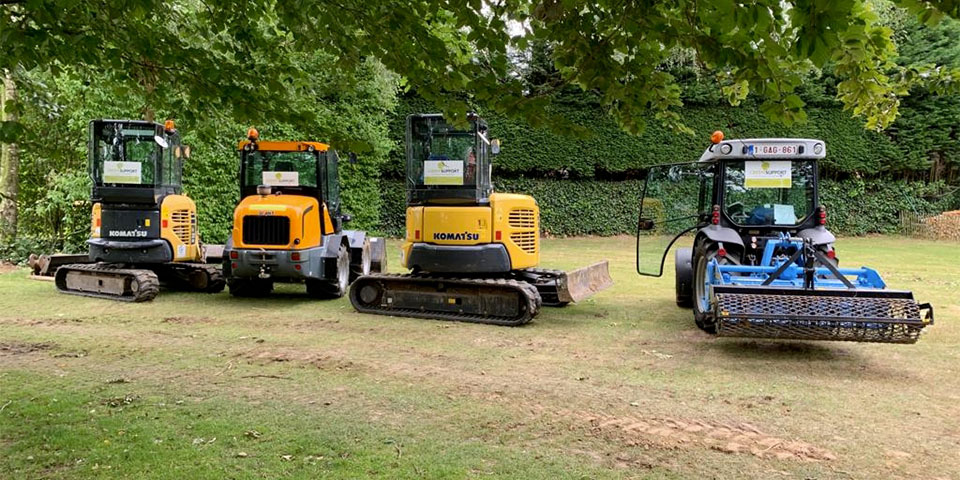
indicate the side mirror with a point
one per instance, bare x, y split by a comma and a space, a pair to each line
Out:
646, 224
353, 157
495, 146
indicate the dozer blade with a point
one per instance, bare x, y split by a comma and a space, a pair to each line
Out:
583, 283
856, 315
47, 265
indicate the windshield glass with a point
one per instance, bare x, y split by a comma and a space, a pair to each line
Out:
442, 155
126, 155
768, 192
280, 169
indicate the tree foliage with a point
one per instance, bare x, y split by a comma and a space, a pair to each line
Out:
238, 54
55, 187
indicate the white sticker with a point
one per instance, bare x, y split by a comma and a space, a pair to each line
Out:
181, 250
768, 174
443, 172
122, 172
281, 179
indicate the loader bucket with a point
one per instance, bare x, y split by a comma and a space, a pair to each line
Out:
583, 283
857, 315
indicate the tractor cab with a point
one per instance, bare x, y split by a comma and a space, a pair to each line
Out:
740, 192
448, 164
135, 162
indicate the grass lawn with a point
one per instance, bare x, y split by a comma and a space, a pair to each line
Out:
620, 386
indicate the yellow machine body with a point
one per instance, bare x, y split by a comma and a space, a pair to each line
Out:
510, 219
96, 220
304, 213
178, 227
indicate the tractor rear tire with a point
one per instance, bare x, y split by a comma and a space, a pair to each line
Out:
703, 314
684, 276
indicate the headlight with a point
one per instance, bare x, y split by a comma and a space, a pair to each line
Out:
726, 148
818, 149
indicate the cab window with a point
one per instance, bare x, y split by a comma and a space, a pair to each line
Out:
766, 192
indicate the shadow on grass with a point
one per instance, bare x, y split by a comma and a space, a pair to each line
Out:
809, 359
287, 298
780, 350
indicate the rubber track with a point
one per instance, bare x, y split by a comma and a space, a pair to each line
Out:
149, 284
529, 292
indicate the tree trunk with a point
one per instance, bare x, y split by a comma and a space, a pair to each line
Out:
9, 168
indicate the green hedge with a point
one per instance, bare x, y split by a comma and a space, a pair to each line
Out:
595, 207
609, 153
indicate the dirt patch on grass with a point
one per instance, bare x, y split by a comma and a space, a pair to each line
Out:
8, 267
742, 438
187, 320
20, 348
321, 360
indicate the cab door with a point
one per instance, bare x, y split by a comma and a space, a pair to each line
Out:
676, 199
331, 185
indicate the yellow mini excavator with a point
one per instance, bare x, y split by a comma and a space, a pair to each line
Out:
288, 226
144, 230
473, 253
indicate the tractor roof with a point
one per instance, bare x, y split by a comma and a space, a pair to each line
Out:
270, 146
766, 148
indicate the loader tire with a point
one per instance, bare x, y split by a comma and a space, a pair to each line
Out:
361, 266
336, 288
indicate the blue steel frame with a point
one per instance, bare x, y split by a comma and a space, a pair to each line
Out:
791, 277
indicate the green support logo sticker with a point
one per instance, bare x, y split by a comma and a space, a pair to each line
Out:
768, 174
122, 172
443, 172
281, 179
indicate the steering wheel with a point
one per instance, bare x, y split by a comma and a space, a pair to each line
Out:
735, 210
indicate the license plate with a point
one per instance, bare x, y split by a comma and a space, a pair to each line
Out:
773, 150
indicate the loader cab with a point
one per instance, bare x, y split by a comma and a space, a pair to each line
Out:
135, 162
448, 164
738, 193
291, 168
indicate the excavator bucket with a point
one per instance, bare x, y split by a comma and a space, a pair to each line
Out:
584, 282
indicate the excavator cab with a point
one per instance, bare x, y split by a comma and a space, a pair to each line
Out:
447, 164
135, 161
